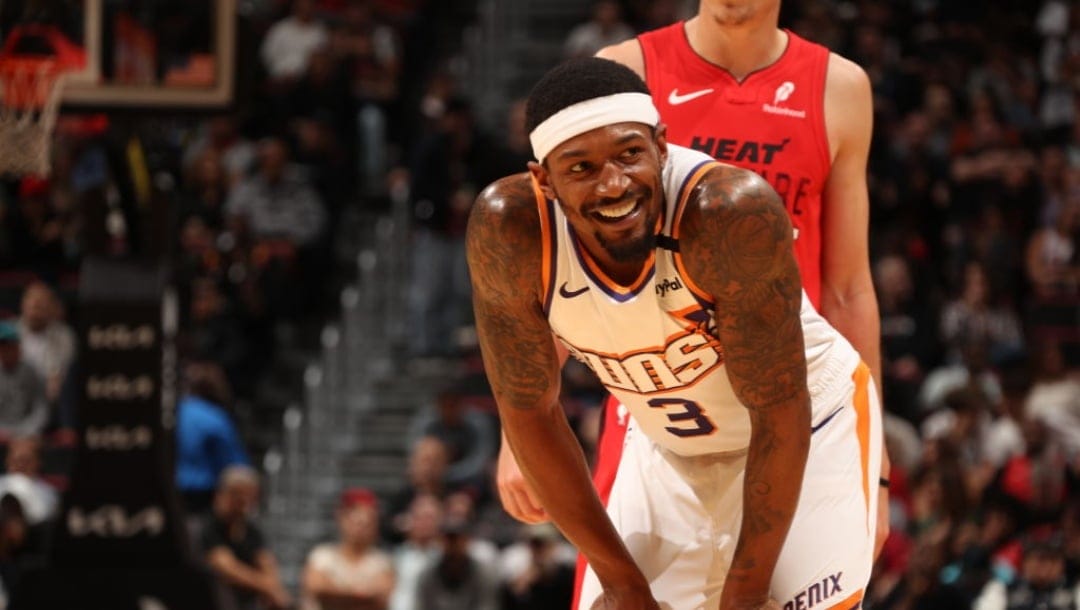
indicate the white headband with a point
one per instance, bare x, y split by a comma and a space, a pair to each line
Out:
576, 119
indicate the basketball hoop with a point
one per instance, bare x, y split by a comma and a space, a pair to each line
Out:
30, 90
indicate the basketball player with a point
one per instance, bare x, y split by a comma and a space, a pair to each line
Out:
730, 83
748, 474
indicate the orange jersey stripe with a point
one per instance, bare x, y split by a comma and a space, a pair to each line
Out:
547, 238
692, 182
862, 428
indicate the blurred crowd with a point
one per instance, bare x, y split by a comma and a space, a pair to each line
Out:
975, 195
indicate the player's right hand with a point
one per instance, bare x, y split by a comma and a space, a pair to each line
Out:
518, 498
625, 598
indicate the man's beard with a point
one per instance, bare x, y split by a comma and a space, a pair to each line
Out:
636, 249
631, 250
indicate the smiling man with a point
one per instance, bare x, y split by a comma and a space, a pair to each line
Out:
750, 470
733, 84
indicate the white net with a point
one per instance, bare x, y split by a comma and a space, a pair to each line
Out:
29, 102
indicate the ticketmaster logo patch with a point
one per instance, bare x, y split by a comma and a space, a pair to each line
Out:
783, 92
799, 114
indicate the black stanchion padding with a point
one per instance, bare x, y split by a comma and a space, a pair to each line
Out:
121, 538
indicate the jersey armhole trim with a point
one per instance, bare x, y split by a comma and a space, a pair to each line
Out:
691, 181
821, 125
546, 210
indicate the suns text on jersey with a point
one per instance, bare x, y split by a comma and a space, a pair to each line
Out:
684, 359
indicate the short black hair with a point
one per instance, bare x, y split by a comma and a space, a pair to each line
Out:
575, 81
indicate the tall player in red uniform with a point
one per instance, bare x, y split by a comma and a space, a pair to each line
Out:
731, 83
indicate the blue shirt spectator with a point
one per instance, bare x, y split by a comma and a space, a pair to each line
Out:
206, 438
206, 443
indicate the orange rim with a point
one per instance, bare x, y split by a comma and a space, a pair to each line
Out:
27, 81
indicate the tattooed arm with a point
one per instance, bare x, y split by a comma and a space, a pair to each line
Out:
736, 244
504, 253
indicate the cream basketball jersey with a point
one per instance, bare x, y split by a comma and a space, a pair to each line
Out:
653, 344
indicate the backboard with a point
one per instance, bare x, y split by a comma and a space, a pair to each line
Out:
140, 54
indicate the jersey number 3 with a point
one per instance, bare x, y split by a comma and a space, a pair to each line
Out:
697, 423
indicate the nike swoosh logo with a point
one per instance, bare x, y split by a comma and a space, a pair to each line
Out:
569, 294
675, 99
828, 417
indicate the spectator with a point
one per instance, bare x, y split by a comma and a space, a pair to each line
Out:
421, 525
468, 435
24, 407
22, 545
908, 338
371, 54
206, 189
321, 153
448, 168
1070, 530
516, 151
1057, 179
206, 439
48, 345
605, 28
234, 547
1005, 438
216, 332
939, 501
1053, 260
277, 203
232, 152
271, 230
35, 231
352, 575
323, 93
198, 255
39, 500
1055, 397
921, 588
1042, 584
963, 423
457, 580
1035, 480
976, 316
461, 507
973, 369
290, 42
980, 546
543, 576
491, 522
426, 476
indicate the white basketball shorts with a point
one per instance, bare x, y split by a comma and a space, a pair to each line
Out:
680, 516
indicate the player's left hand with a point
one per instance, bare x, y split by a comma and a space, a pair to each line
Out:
882, 520
517, 496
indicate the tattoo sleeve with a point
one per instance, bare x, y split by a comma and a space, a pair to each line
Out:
504, 254
503, 247
737, 244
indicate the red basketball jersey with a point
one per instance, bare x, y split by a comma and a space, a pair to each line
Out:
773, 123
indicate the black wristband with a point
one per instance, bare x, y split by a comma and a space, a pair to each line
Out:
883, 482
